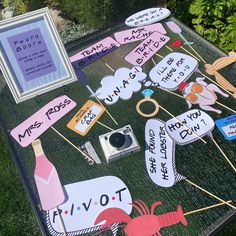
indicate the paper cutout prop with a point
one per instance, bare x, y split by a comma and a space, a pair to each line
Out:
23, 49
197, 124
86, 117
160, 154
147, 17
122, 85
220, 64
201, 93
144, 225
177, 43
39, 122
47, 181
86, 199
177, 30
94, 52
140, 33
147, 93
146, 49
172, 70
84, 80
227, 127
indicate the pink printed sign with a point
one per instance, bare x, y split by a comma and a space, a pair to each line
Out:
145, 50
140, 33
40, 121
94, 52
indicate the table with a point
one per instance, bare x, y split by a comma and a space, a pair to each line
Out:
201, 163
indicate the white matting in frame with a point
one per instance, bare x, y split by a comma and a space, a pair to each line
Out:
33, 59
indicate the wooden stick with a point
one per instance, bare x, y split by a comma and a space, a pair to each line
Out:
176, 94
192, 48
61, 222
205, 208
190, 53
180, 96
169, 48
107, 111
216, 83
182, 124
104, 125
228, 108
91, 161
154, 61
197, 53
210, 194
159, 55
224, 155
107, 65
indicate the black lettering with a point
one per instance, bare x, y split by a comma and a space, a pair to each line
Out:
106, 200
119, 192
86, 207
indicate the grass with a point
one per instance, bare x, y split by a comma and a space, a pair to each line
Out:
16, 215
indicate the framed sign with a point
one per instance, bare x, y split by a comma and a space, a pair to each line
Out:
32, 57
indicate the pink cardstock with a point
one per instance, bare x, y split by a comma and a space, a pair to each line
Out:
40, 121
48, 184
145, 50
140, 33
94, 52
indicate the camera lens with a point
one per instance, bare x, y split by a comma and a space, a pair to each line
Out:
117, 140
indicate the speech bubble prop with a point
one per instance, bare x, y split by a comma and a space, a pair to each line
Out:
147, 16
160, 154
140, 33
172, 70
122, 85
227, 127
86, 199
195, 124
93, 53
146, 49
40, 121
86, 117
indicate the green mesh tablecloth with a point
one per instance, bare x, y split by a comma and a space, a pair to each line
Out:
202, 164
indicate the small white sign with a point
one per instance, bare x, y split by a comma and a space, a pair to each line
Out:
86, 199
172, 70
89, 117
86, 117
122, 85
160, 154
194, 124
147, 16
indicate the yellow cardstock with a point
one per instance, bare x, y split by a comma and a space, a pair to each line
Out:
86, 117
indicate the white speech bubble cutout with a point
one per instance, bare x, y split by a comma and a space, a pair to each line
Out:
160, 154
147, 17
122, 85
195, 123
86, 199
172, 70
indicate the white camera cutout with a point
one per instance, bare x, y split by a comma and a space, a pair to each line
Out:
119, 143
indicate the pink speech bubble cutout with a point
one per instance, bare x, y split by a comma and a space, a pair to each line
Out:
40, 121
145, 50
140, 33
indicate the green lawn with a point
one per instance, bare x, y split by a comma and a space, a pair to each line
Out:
16, 216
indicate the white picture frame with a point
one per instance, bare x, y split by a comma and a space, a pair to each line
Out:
33, 59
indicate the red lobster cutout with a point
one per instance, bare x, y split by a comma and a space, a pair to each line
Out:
146, 224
